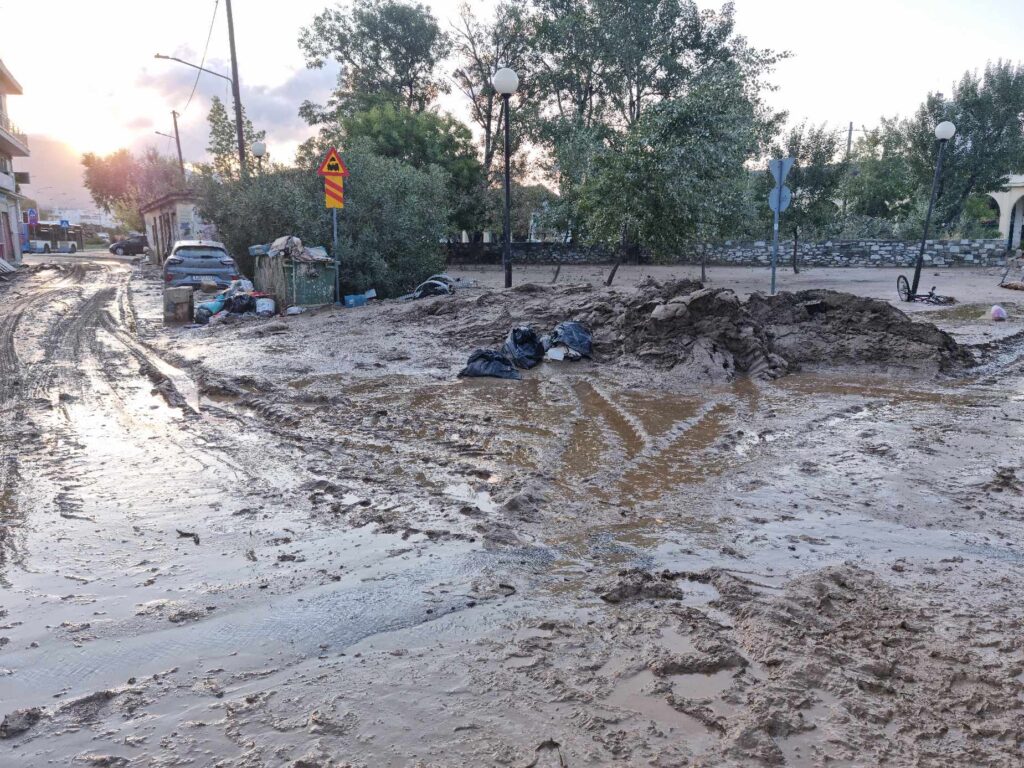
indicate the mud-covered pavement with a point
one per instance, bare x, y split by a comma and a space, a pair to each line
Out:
304, 542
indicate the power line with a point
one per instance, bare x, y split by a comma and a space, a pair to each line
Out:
206, 48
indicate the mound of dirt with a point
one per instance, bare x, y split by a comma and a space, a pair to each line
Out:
819, 326
706, 334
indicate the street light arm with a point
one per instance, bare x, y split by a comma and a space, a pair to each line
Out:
194, 66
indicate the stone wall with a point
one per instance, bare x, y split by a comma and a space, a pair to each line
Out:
833, 253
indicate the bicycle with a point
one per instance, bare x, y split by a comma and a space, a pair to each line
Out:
903, 289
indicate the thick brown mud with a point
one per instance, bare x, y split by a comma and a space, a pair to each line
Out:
750, 532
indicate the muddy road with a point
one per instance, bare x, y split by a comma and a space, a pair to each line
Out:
304, 542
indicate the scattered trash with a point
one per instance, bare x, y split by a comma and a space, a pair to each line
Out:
265, 307
435, 285
489, 362
360, 299
573, 336
1015, 285
239, 298
295, 310
998, 313
555, 353
523, 347
294, 274
6, 267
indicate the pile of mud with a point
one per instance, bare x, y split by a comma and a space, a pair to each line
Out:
707, 334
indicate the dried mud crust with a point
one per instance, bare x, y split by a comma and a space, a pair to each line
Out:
705, 334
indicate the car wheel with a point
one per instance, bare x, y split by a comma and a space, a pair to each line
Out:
46, 249
74, 249
119, 251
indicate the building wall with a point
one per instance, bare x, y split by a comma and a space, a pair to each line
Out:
837, 253
172, 222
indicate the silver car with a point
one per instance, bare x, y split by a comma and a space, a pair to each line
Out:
194, 262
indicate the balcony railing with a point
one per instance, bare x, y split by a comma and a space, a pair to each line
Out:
8, 125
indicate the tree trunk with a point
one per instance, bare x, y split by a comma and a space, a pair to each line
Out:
618, 259
557, 270
796, 261
704, 266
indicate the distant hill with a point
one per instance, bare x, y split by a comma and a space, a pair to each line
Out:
56, 172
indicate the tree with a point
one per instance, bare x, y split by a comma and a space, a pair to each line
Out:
605, 63
223, 146
815, 180
391, 227
480, 49
120, 183
677, 176
988, 111
388, 50
880, 183
419, 139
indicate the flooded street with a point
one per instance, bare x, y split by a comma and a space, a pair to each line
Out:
303, 541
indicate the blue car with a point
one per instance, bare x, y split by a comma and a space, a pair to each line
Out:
194, 262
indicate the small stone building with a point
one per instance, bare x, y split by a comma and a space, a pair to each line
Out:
171, 218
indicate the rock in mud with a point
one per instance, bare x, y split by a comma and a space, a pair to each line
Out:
19, 721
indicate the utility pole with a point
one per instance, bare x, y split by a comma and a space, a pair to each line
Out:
849, 148
235, 90
177, 140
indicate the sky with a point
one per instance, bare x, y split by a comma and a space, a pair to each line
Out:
92, 85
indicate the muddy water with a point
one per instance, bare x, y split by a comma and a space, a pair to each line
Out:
336, 563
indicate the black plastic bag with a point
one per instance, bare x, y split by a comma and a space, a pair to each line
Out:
573, 335
523, 347
240, 303
489, 362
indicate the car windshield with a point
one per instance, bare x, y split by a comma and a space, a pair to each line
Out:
200, 252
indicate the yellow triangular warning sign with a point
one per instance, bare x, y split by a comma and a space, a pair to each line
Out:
333, 165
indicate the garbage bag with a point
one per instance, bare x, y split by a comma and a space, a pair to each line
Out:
241, 303
265, 307
433, 288
489, 362
998, 313
208, 309
573, 335
523, 347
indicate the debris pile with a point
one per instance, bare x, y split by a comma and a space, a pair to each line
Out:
708, 334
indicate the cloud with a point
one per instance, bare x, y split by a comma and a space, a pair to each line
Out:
274, 109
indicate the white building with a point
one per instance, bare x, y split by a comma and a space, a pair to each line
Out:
1011, 210
171, 218
13, 143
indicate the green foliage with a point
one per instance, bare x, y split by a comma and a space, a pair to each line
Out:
893, 165
420, 139
223, 146
989, 143
603, 66
677, 175
388, 51
815, 180
120, 183
880, 183
390, 229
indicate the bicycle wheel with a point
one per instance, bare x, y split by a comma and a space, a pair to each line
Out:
903, 288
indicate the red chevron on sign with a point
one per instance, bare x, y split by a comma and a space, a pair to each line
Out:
333, 165
334, 191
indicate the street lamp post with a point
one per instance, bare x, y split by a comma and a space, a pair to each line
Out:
944, 131
259, 149
505, 82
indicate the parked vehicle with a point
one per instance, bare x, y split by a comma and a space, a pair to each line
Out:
194, 262
47, 237
132, 246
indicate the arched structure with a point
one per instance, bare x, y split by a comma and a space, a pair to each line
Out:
1011, 210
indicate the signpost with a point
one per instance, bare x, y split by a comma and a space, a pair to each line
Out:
334, 172
33, 217
778, 200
